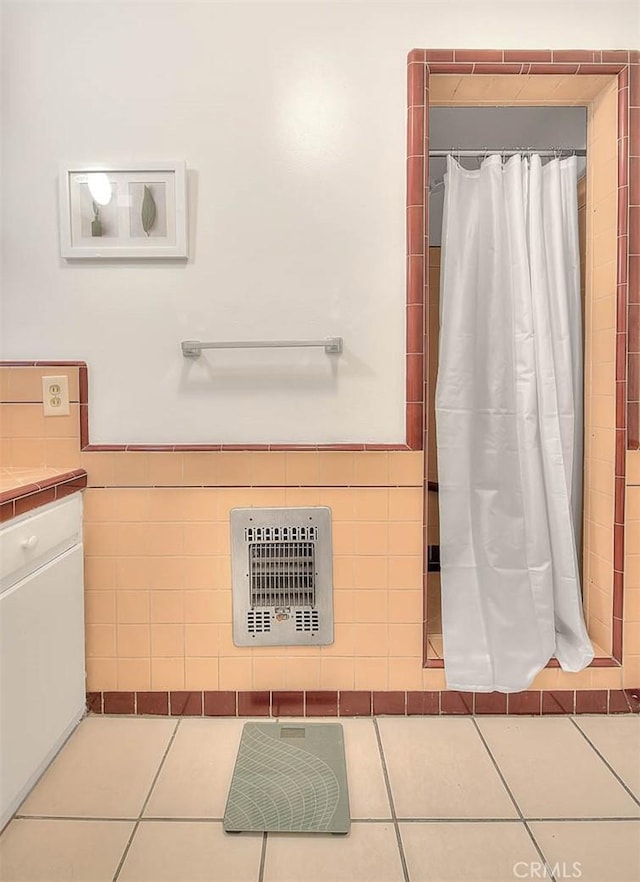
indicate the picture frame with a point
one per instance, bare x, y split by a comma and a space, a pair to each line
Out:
132, 210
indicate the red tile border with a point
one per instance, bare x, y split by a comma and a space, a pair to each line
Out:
592, 701
423, 703
254, 704
220, 704
118, 702
321, 704
389, 703
525, 702
558, 702
152, 703
530, 55
94, 702
582, 55
356, 703
287, 704
456, 702
490, 703
185, 704
20, 500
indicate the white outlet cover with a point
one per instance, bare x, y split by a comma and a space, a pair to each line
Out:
55, 396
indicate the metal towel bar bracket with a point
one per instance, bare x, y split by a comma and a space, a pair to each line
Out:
193, 348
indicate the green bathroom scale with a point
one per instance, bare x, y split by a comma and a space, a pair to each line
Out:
289, 777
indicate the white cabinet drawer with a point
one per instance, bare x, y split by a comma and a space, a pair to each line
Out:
29, 542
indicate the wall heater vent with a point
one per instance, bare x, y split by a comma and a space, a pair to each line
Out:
281, 563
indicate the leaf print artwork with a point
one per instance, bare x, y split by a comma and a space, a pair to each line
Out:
148, 213
96, 223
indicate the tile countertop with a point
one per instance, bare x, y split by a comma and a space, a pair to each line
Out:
22, 489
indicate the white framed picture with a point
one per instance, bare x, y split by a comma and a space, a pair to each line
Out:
133, 210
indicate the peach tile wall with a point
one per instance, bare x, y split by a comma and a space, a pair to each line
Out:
158, 578
27, 437
631, 643
600, 372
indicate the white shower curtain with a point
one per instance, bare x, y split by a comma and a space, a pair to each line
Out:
509, 423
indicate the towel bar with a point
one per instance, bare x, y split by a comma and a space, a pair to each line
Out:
193, 348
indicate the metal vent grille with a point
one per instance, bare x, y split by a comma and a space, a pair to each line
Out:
307, 620
258, 621
282, 573
297, 533
281, 565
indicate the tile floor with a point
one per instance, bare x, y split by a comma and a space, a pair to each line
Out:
444, 798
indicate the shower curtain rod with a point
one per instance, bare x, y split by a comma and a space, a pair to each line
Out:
511, 151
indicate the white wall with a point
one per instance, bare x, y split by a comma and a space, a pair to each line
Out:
291, 118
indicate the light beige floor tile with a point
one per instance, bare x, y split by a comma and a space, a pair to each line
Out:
592, 851
191, 851
32, 850
467, 852
367, 790
552, 771
618, 740
439, 768
195, 778
369, 853
105, 770
365, 778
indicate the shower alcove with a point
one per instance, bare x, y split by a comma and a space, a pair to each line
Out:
547, 111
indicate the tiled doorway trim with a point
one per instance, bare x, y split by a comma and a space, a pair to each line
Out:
363, 703
626, 66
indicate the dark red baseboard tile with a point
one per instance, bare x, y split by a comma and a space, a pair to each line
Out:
185, 704
321, 704
362, 703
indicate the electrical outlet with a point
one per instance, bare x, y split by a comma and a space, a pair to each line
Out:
55, 396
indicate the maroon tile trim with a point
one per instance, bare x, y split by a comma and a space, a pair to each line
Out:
152, 703
389, 703
360, 703
490, 703
94, 702
19, 500
254, 704
586, 55
423, 703
25, 503
456, 702
185, 704
354, 704
7, 511
624, 701
591, 701
558, 702
321, 704
524, 702
537, 55
119, 702
219, 704
287, 704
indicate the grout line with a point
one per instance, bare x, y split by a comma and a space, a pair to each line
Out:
263, 854
605, 761
449, 820
513, 800
144, 805
387, 781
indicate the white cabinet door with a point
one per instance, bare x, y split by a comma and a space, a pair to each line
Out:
42, 672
